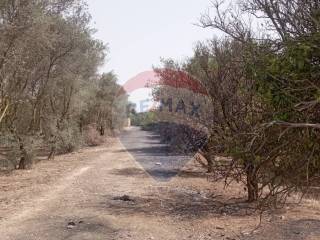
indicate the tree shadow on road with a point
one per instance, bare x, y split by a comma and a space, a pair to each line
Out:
138, 172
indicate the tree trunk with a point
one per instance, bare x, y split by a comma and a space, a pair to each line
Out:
101, 131
52, 153
25, 160
22, 163
210, 163
252, 184
81, 125
53, 148
209, 155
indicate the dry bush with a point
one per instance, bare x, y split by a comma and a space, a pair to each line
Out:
92, 136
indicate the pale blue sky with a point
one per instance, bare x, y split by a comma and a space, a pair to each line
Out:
139, 32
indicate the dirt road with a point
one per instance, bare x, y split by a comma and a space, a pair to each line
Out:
152, 154
80, 196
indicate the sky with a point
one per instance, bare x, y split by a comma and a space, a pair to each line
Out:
141, 32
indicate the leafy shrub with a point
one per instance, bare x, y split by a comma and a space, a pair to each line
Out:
68, 139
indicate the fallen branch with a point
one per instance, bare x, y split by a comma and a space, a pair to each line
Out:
4, 113
294, 125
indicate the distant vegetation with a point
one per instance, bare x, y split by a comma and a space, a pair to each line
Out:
142, 119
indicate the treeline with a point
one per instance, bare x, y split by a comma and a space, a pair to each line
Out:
262, 80
50, 92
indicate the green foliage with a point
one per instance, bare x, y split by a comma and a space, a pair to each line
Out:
68, 138
49, 86
142, 119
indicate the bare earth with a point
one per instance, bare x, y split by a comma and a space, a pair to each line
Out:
76, 197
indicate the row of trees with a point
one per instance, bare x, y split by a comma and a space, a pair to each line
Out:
50, 91
262, 81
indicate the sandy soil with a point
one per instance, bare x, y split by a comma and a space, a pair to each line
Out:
76, 196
